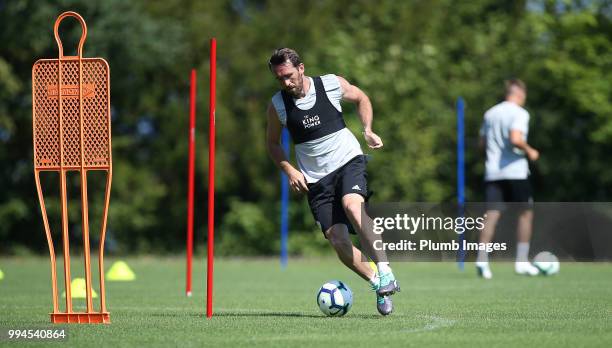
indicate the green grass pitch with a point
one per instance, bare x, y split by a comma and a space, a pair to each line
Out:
258, 304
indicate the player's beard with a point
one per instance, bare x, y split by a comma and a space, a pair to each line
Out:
297, 91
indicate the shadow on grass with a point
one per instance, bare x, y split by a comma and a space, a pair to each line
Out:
238, 314
288, 315
266, 314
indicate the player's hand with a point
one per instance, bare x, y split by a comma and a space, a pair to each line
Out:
533, 154
297, 181
373, 140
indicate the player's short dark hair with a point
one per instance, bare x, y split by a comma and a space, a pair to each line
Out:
282, 55
512, 83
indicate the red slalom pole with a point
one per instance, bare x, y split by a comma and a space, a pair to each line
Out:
211, 178
191, 169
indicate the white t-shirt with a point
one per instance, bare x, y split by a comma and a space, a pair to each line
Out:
504, 160
319, 157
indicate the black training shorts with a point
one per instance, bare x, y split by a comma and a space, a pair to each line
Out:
325, 196
515, 191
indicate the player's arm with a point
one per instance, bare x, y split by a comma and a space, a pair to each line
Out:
482, 139
275, 150
516, 139
364, 109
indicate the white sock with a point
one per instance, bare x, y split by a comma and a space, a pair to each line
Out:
383, 267
522, 252
483, 257
374, 280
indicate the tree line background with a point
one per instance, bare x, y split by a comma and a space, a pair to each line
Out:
413, 58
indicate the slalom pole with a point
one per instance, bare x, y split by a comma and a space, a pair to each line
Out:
211, 178
284, 203
191, 176
461, 175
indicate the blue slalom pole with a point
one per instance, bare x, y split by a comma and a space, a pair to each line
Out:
461, 174
284, 202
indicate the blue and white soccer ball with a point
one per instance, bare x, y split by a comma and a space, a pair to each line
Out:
547, 263
335, 298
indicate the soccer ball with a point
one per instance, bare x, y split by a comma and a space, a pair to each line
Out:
335, 298
546, 262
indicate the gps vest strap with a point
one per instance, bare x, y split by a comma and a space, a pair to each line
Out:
321, 120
